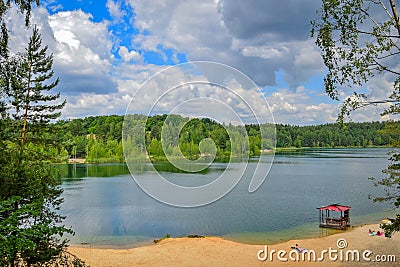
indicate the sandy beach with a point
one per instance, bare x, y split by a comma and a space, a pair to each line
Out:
216, 251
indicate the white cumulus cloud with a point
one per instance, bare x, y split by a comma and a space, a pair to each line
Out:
127, 55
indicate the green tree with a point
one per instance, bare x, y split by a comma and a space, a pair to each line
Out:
358, 41
297, 142
155, 148
391, 183
30, 88
31, 230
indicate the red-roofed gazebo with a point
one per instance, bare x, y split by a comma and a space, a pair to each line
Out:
326, 220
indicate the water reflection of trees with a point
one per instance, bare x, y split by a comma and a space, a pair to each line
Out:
76, 172
66, 172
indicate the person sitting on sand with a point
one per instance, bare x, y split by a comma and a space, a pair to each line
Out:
379, 233
372, 233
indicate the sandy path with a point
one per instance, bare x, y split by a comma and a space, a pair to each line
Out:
215, 251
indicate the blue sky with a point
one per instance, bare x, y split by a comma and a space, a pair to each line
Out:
121, 27
97, 8
104, 50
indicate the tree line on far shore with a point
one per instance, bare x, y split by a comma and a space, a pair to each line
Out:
99, 139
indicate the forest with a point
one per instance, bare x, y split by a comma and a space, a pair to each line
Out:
100, 139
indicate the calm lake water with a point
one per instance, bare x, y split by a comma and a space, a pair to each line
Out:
105, 207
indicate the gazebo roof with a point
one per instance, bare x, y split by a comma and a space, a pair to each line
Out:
335, 207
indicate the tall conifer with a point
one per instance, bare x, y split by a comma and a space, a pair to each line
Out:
31, 230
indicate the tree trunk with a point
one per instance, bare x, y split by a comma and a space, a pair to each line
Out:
23, 137
395, 15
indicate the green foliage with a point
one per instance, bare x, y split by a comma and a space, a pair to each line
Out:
24, 6
358, 40
98, 139
30, 227
391, 183
180, 134
155, 149
27, 91
31, 230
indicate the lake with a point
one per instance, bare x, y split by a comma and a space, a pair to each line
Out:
105, 207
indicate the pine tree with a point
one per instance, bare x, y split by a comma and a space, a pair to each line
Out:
31, 230
30, 88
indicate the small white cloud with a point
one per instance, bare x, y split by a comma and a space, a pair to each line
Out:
95, 105
299, 108
56, 8
51, 5
114, 8
127, 55
264, 51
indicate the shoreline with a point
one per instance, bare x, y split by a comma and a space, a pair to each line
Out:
217, 251
276, 151
154, 241
311, 230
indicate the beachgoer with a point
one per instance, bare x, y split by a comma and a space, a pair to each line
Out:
373, 233
299, 249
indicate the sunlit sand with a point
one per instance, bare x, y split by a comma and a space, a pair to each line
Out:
216, 251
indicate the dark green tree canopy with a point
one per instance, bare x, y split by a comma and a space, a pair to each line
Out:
31, 230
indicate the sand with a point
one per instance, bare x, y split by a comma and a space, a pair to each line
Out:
77, 160
215, 251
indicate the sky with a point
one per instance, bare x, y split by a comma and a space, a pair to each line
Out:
105, 50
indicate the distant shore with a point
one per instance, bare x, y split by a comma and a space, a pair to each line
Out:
278, 150
216, 251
